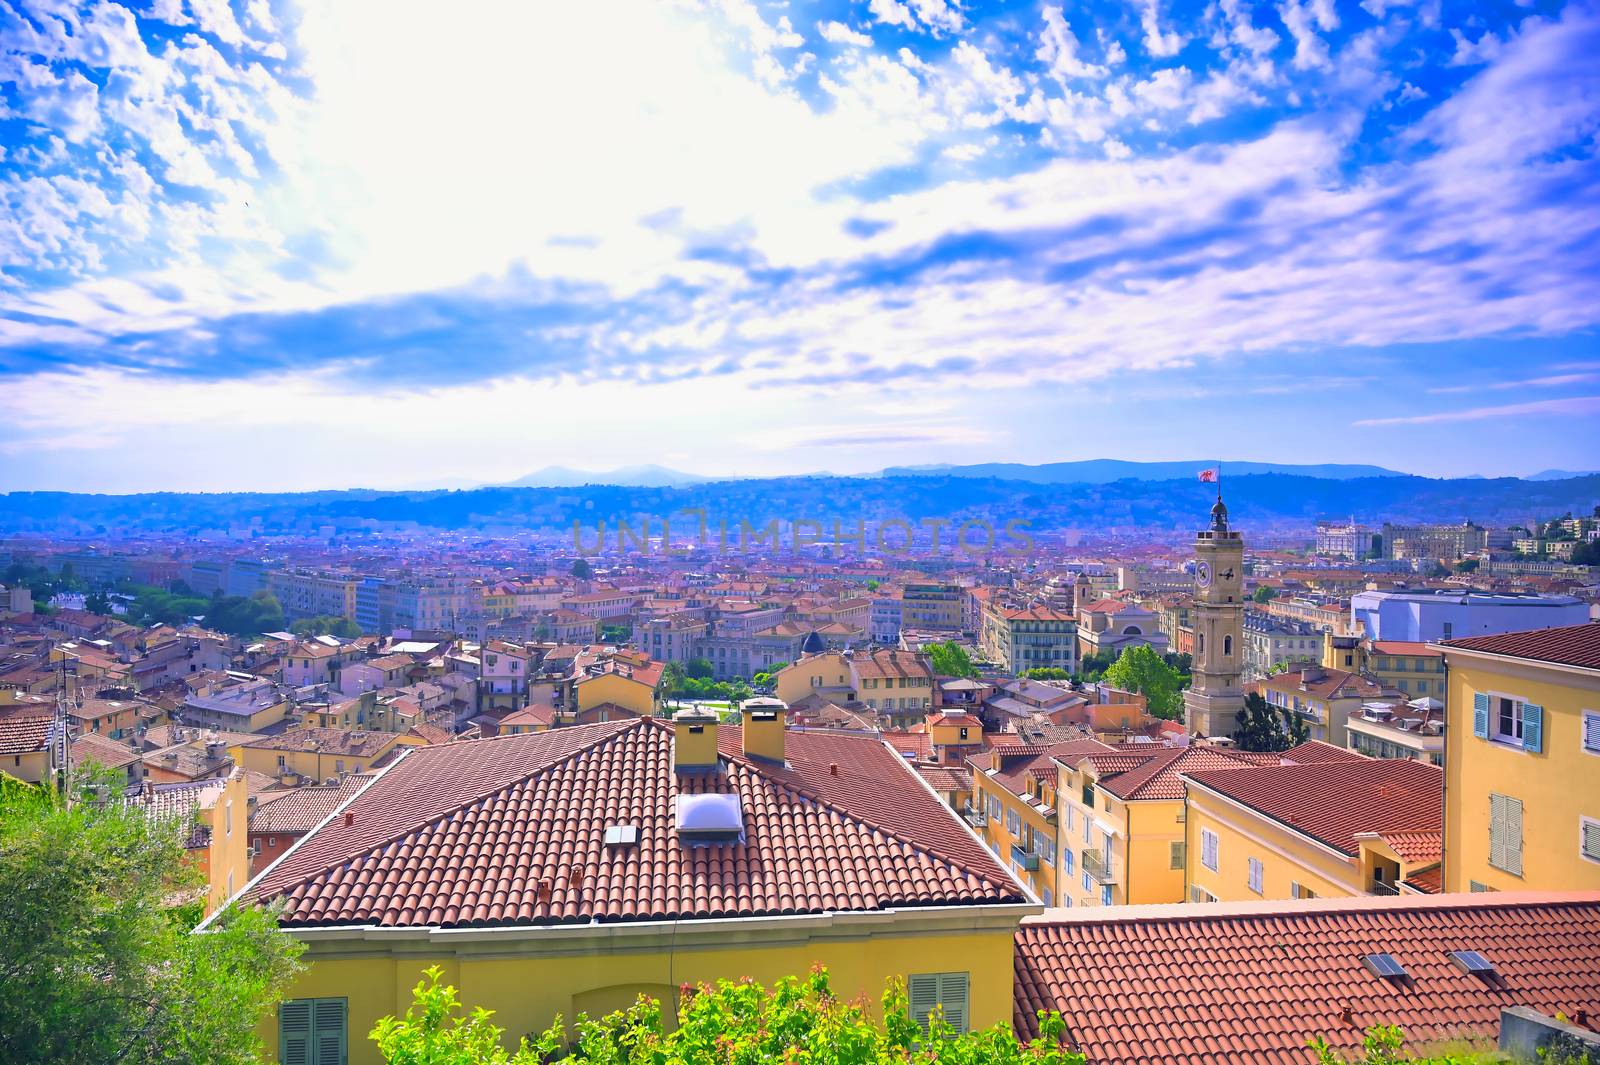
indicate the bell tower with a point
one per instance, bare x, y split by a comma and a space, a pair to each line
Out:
1215, 696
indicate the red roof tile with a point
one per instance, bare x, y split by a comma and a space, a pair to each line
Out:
1571, 645
465, 834
1318, 751
1429, 881
1130, 774
1332, 801
24, 733
1253, 982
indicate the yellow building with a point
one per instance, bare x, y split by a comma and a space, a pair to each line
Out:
218, 841
1415, 670
25, 732
629, 681
1014, 809
1347, 826
1121, 822
314, 754
652, 883
1522, 754
826, 674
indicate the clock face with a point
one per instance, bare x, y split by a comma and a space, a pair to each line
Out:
1202, 574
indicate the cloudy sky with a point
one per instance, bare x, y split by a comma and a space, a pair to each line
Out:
269, 245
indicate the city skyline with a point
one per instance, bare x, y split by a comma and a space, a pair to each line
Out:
332, 247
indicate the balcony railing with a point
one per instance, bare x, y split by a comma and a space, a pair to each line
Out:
1098, 865
974, 816
1024, 857
1380, 887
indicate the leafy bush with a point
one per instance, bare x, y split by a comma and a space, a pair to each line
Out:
797, 1020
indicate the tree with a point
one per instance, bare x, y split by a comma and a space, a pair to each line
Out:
699, 668
1140, 669
582, 570
797, 1019
1264, 727
672, 678
615, 633
873, 584
1047, 673
1586, 553
1264, 594
238, 616
97, 603
326, 624
108, 969
950, 659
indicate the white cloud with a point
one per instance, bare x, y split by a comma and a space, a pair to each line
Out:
1058, 49
892, 13
839, 33
1555, 407
1160, 43
1310, 50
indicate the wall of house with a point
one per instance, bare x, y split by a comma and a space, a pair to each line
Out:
527, 992
228, 859
1556, 785
1286, 857
611, 688
1154, 825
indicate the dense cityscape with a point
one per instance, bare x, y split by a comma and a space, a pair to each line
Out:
800, 532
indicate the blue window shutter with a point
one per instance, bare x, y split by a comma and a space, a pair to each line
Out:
1532, 727
1480, 716
329, 1025
294, 1032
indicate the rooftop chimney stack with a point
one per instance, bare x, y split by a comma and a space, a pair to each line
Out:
694, 742
764, 721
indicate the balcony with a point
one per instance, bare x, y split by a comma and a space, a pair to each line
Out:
1024, 858
973, 816
1380, 887
1097, 863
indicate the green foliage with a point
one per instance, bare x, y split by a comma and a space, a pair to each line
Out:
1264, 594
1264, 727
326, 625
698, 668
1586, 553
1140, 669
769, 676
950, 659
615, 633
582, 570
97, 962
1384, 1044
873, 584
1047, 673
239, 616
798, 1021
1093, 667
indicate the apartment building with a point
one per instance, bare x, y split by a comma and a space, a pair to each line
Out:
1522, 751
1447, 543
1036, 636
1323, 698
309, 595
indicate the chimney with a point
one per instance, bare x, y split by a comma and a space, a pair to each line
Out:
763, 728
694, 741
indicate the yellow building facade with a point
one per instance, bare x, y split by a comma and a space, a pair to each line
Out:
1522, 756
1116, 851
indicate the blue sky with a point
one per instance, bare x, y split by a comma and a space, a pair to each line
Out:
265, 245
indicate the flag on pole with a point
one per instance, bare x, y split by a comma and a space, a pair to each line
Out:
1208, 476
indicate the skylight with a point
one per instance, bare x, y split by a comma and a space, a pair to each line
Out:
1385, 966
710, 818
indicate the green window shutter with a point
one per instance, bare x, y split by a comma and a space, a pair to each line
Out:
328, 1024
923, 991
1480, 716
1532, 728
953, 997
294, 1032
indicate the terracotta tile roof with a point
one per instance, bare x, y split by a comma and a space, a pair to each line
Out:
1571, 645
1137, 775
24, 733
1430, 881
946, 778
298, 811
955, 717
106, 751
1416, 848
510, 831
1323, 683
1332, 801
1405, 647
353, 742
429, 733
1015, 763
175, 801
1253, 982
891, 663
1318, 751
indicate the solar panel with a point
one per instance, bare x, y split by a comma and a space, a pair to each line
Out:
1470, 961
1384, 965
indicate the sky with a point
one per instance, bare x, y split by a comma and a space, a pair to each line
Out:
269, 246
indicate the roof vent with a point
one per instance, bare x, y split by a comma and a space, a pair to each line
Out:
1470, 961
1385, 966
622, 835
710, 818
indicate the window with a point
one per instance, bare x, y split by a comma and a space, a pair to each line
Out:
1589, 838
1209, 845
1069, 862
947, 991
1013, 822
1227, 646
1300, 891
1591, 731
1105, 894
1508, 720
1088, 882
1200, 894
994, 807
1256, 876
1505, 833
1178, 856
227, 819
1045, 897
311, 1031
1088, 829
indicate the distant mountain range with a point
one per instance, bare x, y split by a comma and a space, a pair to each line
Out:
646, 476
1106, 471
1560, 475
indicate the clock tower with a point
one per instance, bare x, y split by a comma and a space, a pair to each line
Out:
1215, 696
